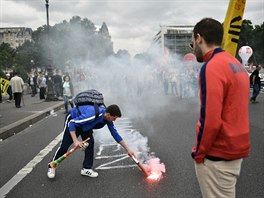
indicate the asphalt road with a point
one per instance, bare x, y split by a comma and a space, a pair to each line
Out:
163, 129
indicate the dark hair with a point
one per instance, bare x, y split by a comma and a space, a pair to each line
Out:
211, 30
15, 73
66, 76
113, 110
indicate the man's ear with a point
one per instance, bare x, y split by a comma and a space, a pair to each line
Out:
199, 38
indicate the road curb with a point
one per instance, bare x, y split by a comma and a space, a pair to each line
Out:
24, 123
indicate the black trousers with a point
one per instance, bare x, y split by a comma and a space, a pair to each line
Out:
9, 91
42, 92
67, 142
17, 97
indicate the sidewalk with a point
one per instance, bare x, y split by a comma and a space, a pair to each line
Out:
13, 120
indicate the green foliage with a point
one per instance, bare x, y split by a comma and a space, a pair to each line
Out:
258, 43
7, 54
253, 37
73, 41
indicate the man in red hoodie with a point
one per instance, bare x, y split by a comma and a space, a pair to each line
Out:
222, 131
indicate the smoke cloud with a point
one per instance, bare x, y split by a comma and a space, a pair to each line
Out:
142, 89
143, 86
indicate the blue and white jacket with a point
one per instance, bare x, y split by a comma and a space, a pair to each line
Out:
86, 120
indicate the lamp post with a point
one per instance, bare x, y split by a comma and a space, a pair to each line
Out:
50, 85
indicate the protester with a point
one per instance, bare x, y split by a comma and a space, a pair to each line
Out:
256, 83
42, 85
67, 92
82, 121
165, 81
173, 82
57, 79
32, 81
222, 131
17, 83
9, 89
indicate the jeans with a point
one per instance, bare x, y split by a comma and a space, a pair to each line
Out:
66, 102
256, 89
33, 90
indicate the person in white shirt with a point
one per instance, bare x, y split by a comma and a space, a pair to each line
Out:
42, 85
17, 83
67, 92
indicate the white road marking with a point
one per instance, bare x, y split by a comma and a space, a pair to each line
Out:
101, 147
105, 166
29, 167
113, 167
109, 156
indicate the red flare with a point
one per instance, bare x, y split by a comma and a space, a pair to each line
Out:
141, 166
155, 169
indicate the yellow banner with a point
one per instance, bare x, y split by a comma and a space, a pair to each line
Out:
232, 25
4, 84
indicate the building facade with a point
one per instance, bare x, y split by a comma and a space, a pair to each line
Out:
15, 36
175, 38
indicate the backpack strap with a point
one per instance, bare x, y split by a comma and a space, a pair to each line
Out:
96, 110
77, 107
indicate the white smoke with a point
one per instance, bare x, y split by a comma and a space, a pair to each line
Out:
137, 86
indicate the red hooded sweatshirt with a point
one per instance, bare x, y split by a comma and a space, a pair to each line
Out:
222, 130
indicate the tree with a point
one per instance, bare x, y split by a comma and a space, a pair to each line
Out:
26, 58
7, 54
246, 37
253, 37
258, 43
78, 40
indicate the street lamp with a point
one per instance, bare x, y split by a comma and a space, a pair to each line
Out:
51, 94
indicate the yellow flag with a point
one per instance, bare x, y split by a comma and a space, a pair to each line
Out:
4, 83
232, 25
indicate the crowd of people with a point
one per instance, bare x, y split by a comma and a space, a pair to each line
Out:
181, 83
36, 83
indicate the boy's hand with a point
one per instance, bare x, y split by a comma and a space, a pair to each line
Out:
131, 153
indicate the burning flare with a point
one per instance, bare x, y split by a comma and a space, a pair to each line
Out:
155, 169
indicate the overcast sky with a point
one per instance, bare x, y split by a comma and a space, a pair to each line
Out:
131, 23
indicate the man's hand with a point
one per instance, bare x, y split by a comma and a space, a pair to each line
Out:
77, 142
80, 144
130, 153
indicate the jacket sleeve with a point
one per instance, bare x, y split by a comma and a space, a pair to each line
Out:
114, 132
22, 83
209, 123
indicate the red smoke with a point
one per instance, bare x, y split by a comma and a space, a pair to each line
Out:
155, 168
